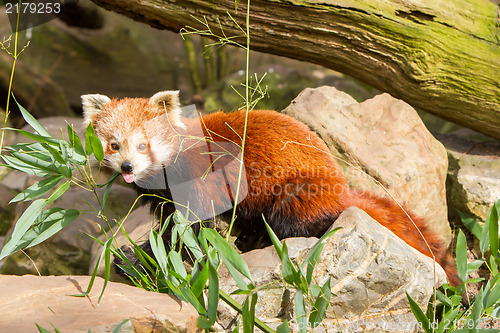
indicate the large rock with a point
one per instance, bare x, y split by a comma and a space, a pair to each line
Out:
474, 173
383, 139
47, 301
370, 270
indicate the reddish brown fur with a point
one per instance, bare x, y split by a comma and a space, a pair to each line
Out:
276, 141
282, 158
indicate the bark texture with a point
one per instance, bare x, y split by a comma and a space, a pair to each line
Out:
438, 55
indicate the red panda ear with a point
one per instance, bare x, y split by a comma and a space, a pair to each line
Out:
167, 102
93, 104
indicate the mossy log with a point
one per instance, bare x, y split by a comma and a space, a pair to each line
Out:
438, 55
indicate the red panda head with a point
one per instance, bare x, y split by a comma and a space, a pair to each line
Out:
138, 135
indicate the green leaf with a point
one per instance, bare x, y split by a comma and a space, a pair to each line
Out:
177, 264
484, 240
36, 137
182, 228
199, 281
188, 295
477, 309
20, 165
283, 328
448, 319
462, 256
108, 189
472, 266
274, 239
248, 313
314, 253
93, 144
59, 191
300, 311
228, 253
22, 226
320, 305
59, 162
35, 162
41, 329
288, 271
492, 221
213, 294
39, 188
52, 221
32, 121
471, 224
443, 298
158, 248
419, 314
105, 252
493, 296
75, 141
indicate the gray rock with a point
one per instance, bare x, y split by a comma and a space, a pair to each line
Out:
383, 139
474, 172
46, 301
370, 270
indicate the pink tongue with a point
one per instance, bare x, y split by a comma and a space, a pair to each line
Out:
128, 177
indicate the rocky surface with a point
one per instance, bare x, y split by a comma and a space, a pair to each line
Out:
370, 270
383, 139
47, 301
474, 174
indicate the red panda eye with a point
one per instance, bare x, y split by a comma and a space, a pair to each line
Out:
114, 146
141, 146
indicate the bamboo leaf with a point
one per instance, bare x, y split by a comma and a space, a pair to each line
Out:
36, 162
300, 311
117, 328
32, 121
283, 328
228, 253
158, 249
38, 189
320, 305
213, 294
287, 269
59, 191
274, 239
41, 329
52, 221
108, 189
15, 163
477, 309
314, 253
22, 226
93, 144
199, 281
462, 256
492, 221
419, 314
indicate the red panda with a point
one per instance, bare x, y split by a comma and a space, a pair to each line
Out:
291, 178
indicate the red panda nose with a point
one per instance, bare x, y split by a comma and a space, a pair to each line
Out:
127, 166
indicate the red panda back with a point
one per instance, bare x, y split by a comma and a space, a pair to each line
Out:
295, 182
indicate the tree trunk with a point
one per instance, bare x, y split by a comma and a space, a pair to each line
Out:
440, 56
